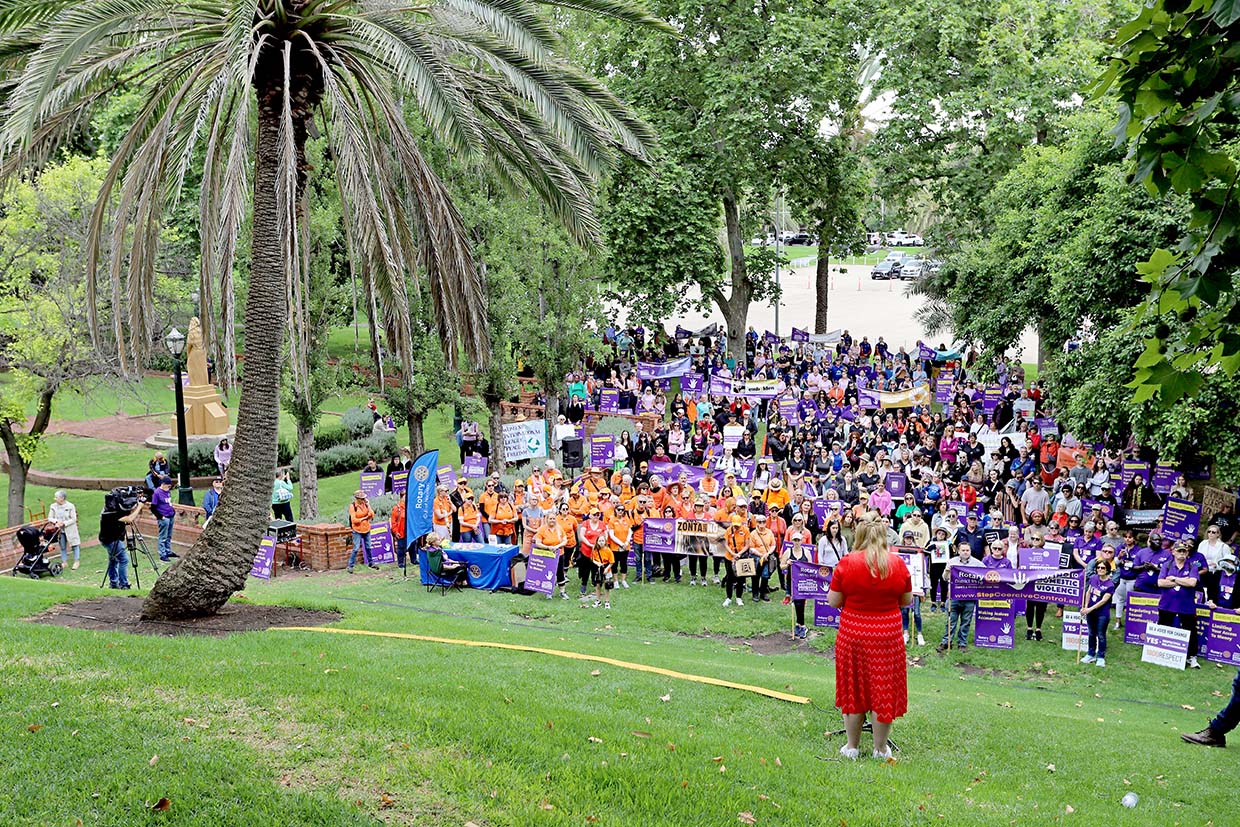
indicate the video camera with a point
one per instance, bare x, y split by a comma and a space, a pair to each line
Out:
124, 498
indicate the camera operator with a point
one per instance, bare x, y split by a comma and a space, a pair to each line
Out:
113, 522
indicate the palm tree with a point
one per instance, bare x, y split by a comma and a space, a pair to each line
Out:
241, 84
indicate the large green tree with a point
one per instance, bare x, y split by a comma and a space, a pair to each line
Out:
246, 82
742, 85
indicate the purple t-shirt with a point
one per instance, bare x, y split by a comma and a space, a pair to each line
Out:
1178, 599
161, 503
1147, 581
997, 562
1098, 586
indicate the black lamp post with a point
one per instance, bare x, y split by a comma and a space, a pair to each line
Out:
185, 493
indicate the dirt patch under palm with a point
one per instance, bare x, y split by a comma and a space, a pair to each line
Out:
123, 614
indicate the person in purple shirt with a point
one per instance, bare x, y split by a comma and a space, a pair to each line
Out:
1147, 562
1178, 604
997, 559
1097, 612
161, 505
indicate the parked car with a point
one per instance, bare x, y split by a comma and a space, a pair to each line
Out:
899, 238
888, 268
802, 239
912, 269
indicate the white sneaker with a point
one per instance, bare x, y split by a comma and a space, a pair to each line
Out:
921, 641
563, 594
550, 596
906, 638
607, 605
885, 755
624, 584
1115, 628
692, 581
1088, 659
1192, 662
850, 753
1101, 661
727, 601
594, 605
740, 602
717, 581
704, 583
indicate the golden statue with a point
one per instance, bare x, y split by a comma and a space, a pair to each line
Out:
204, 411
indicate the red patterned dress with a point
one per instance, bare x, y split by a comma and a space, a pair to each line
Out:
870, 668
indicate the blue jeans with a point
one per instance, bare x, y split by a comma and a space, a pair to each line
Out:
645, 565
63, 541
165, 537
1229, 717
118, 565
959, 620
913, 609
1097, 622
474, 535
401, 548
361, 542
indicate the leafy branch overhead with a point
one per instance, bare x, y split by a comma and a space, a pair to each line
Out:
1176, 73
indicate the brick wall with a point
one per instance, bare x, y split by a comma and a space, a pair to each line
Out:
325, 546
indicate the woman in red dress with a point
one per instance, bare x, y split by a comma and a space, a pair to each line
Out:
870, 586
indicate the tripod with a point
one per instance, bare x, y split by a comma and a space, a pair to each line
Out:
135, 543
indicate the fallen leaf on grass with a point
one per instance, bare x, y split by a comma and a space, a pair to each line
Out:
1069, 809
594, 740
547, 805
154, 760
665, 698
591, 819
1050, 767
470, 824
745, 817
722, 768
671, 747
386, 801
778, 763
34, 727
763, 797
550, 725
1127, 783
55, 704
640, 734
163, 805
1189, 708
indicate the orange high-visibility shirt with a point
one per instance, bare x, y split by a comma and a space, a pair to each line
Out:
736, 539
550, 535
504, 519
469, 516
487, 501
442, 510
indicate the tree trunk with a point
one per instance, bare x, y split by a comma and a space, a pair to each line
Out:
822, 281
216, 567
307, 474
417, 434
735, 308
17, 477
497, 434
376, 353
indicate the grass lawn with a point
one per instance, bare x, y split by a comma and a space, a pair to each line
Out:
310, 728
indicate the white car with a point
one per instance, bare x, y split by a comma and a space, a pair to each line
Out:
899, 238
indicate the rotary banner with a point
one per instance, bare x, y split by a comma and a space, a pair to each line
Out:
1064, 586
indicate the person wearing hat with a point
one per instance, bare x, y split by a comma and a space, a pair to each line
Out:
594, 483
776, 497
442, 512
469, 516
360, 515
763, 547
736, 546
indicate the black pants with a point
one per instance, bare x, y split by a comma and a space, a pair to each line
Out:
798, 606
1182, 621
1035, 613
784, 574
283, 511
718, 560
733, 585
671, 567
697, 565
622, 561
936, 580
561, 571
585, 568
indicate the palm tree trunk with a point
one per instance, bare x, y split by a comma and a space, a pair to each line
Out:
307, 473
822, 280
219, 562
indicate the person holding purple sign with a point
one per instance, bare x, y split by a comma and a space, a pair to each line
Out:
1097, 612
1178, 604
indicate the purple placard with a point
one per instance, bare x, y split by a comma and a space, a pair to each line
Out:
943, 392
991, 395
265, 559
1045, 425
1038, 558
1165, 646
474, 467
659, 535
1051, 585
825, 615
1180, 519
993, 623
1220, 639
609, 400
446, 475
1132, 468
926, 354
896, 484
540, 570
788, 409
1139, 611
602, 450
869, 398
823, 508
381, 550
670, 472
662, 370
720, 386
692, 383
371, 483
961, 508
400, 482
1164, 478
746, 470
809, 582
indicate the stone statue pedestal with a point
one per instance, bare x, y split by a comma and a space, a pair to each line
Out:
204, 413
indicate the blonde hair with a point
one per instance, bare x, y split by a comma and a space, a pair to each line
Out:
871, 539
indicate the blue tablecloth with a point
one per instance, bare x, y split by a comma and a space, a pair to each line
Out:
487, 564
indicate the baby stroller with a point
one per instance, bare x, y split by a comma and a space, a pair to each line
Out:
32, 563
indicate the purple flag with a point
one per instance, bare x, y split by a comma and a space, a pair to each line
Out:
1180, 519
770, 338
265, 559
800, 335
926, 354
993, 624
1062, 586
381, 550
809, 582
659, 534
869, 398
663, 370
371, 483
540, 570
474, 467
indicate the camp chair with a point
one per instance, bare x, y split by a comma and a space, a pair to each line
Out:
444, 576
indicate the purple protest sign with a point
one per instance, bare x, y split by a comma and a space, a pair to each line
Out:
993, 623
1133, 468
943, 392
961, 508
896, 484
869, 398
265, 559
823, 509
809, 582
1221, 642
446, 475
1165, 476
602, 450
788, 409
1045, 425
1140, 610
926, 354
662, 370
1165, 646
1051, 585
670, 472
745, 471
609, 400
692, 383
1180, 519
825, 615
371, 483
770, 338
1038, 558
474, 467
799, 335
991, 395
540, 570
400, 482
381, 549
720, 386
659, 535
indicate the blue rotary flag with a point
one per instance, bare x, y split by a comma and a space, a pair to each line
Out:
420, 495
